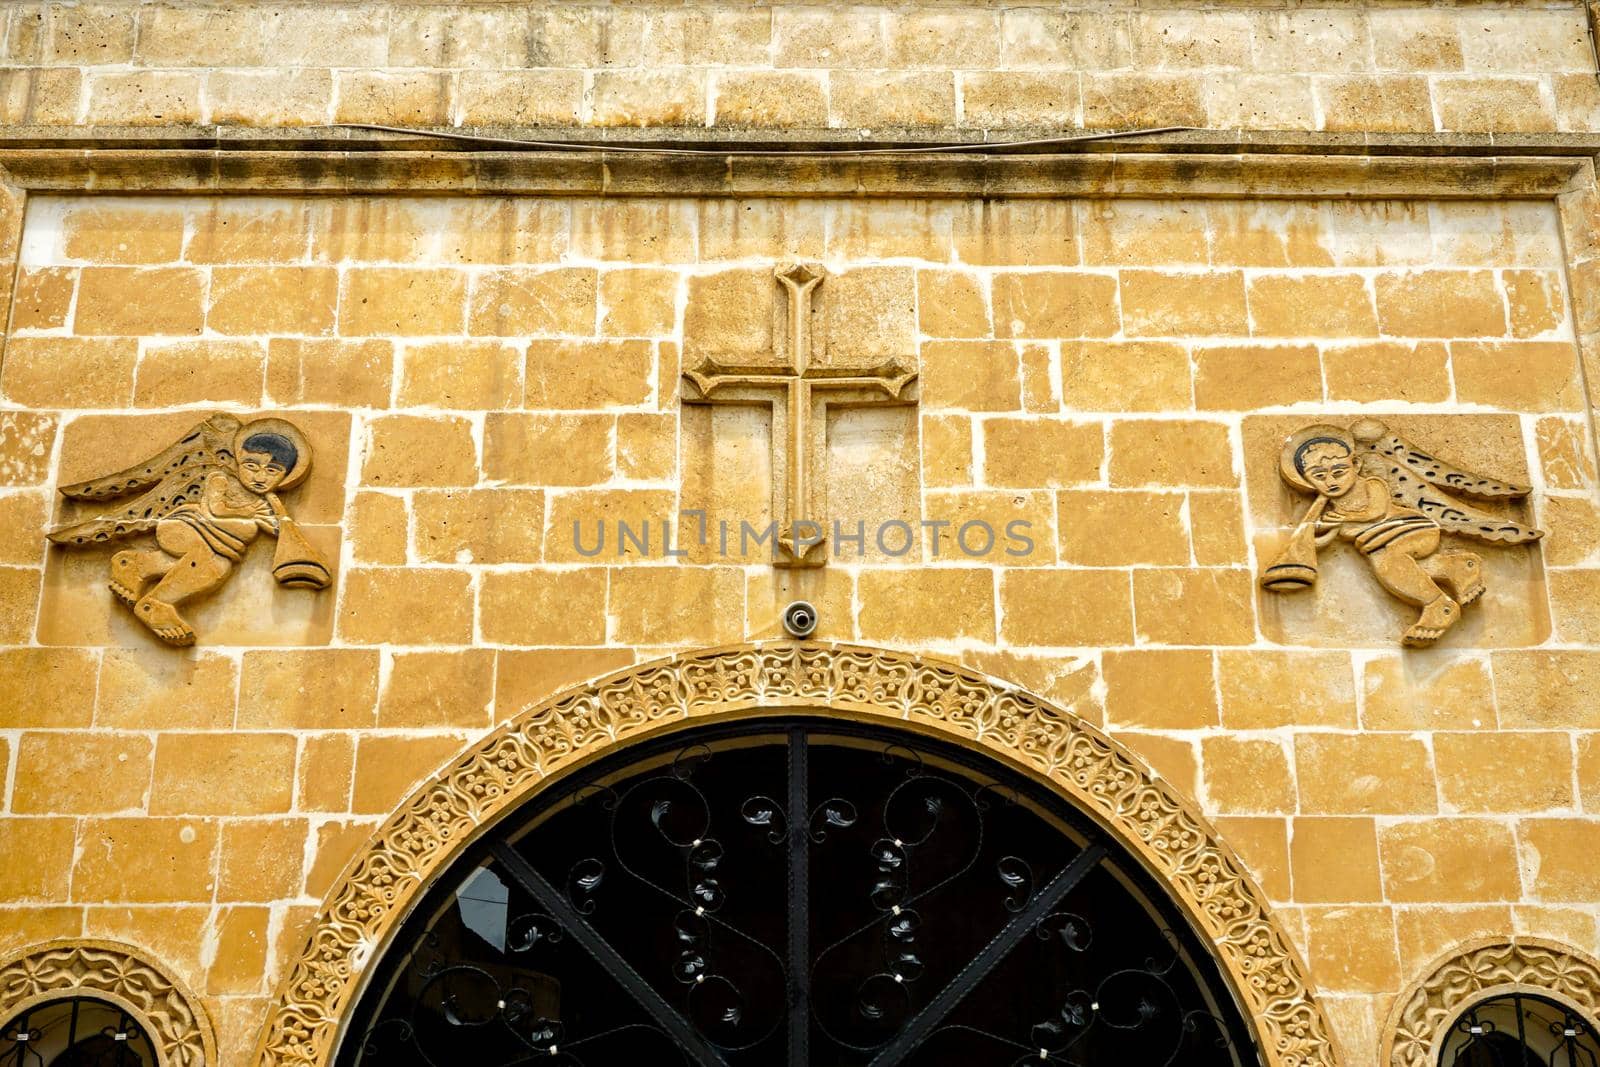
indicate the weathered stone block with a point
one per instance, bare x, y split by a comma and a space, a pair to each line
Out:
1064, 608
406, 606
527, 676
1122, 528
1030, 452
1504, 771
1171, 452
1202, 606
393, 98
1125, 376
1449, 860
461, 375
245, 773
1160, 689
308, 689
1055, 304
415, 450
388, 767
43, 299
400, 301
139, 301
356, 374
434, 690
547, 449
1380, 371
262, 859
1246, 775
1354, 948
1242, 377
144, 689
1521, 375
1364, 774
48, 844
586, 525
1172, 304
326, 770
269, 300
478, 525
122, 232
193, 372
971, 376
534, 607
518, 303
769, 98
143, 860
676, 605
1335, 861
79, 773
591, 374
638, 303
1440, 304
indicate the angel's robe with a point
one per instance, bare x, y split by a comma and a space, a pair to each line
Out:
227, 516
1374, 522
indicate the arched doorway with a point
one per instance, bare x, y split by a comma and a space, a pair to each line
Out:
797, 891
355, 932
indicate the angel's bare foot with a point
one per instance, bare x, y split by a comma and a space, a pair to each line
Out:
1436, 618
1463, 572
126, 582
164, 621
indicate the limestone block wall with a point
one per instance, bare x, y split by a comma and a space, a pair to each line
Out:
1336, 66
477, 375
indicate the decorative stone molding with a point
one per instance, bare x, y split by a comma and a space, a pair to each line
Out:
498, 773
1202, 163
170, 1014
1423, 1014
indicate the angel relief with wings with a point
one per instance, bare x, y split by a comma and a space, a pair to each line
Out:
206, 498
1394, 503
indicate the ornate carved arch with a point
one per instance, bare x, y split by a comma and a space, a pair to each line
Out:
172, 1016
1421, 1018
432, 826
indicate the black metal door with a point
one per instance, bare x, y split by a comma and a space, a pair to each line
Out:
797, 893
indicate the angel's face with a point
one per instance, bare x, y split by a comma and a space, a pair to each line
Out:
259, 472
1330, 469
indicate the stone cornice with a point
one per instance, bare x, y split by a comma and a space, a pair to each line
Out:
331, 160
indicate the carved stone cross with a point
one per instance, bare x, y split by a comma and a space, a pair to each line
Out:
799, 395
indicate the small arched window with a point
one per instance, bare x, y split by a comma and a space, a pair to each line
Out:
75, 1032
1516, 1030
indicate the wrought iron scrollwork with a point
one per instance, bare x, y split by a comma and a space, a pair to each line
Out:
916, 907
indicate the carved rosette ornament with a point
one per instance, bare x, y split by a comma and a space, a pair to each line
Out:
170, 1015
508, 766
1422, 1017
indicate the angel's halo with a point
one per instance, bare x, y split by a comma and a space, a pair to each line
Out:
302, 447
1298, 440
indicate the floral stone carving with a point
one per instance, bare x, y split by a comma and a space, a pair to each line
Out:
1394, 502
206, 498
508, 766
1423, 1015
171, 1015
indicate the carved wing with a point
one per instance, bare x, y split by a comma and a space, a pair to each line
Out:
176, 476
1424, 483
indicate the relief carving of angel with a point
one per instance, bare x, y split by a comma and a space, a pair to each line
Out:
207, 497
1393, 502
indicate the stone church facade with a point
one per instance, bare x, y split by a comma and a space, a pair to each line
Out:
1184, 410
